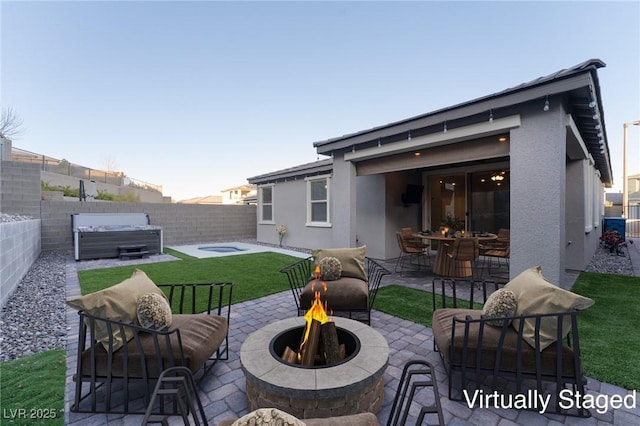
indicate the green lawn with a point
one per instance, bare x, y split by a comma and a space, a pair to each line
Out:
409, 303
32, 389
609, 329
254, 275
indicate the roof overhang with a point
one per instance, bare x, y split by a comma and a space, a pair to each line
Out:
293, 173
578, 87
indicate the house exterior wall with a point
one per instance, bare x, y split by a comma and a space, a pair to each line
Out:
538, 187
290, 209
371, 227
575, 214
558, 165
399, 215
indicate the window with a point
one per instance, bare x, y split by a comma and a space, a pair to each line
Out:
318, 201
266, 204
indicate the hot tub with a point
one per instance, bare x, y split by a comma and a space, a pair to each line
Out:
98, 235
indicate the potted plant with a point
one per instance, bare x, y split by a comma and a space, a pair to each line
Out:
281, 230
453, 224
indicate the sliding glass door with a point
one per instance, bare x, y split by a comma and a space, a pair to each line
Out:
479, 199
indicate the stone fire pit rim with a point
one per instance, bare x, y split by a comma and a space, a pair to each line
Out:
363, 369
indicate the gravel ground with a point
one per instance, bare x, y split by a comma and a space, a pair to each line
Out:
33, 320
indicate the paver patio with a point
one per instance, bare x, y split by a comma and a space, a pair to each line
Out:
223, 391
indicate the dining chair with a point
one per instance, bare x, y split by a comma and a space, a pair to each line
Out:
411, 240
464, 254
410, 255
497, 252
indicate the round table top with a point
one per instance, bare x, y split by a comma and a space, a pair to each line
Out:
439, 237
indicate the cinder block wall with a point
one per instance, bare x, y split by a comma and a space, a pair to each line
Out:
19, 248
20, 188
181, 223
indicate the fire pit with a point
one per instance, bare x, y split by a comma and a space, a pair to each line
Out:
353, 385
290, 338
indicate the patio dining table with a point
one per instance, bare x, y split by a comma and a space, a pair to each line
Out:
444, 265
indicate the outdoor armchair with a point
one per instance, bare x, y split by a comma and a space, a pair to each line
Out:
119, 361
352, 294
528, 340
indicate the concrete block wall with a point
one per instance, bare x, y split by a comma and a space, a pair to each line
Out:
181, 223
19, 247
20, 188
146, 196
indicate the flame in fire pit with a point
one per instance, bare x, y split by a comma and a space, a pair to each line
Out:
316, 311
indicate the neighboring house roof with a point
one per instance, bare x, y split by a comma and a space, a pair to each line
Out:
579, 85
310, 169
614, 197
210, 199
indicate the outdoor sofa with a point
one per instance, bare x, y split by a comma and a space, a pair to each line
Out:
131, 332
352, 281
527, 331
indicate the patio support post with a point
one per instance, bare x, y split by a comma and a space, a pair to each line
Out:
343, 202
538, 185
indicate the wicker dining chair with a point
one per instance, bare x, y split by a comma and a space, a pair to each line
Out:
464, 253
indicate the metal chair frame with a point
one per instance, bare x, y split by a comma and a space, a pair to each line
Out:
177, 384
411, 250
416, 375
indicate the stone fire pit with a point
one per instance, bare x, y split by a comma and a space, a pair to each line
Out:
351, 387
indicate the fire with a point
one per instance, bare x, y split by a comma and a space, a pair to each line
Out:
316, 311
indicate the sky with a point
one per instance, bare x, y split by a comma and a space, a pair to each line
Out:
199, 96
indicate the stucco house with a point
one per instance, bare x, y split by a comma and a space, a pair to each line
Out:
533, 158
238, 194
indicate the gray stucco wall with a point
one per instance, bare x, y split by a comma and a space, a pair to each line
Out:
538, 185
399, 215
575, 215
371, 225
343, 196
290, 209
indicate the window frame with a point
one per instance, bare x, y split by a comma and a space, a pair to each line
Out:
310, 202
262, 204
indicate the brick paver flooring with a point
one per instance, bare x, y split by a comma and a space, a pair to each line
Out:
222, 393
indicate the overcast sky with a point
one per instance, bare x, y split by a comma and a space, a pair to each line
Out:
198, 96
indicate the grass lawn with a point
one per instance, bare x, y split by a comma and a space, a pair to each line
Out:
409, 303
609, 330
32, 389
254, 275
